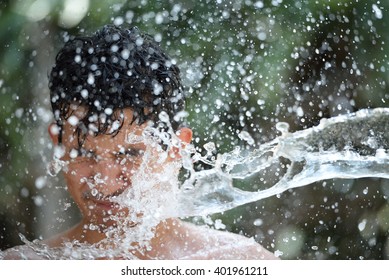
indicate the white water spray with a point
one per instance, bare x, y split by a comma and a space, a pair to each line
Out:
348, 146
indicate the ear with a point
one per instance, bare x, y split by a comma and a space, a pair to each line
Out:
53, 130
185, 135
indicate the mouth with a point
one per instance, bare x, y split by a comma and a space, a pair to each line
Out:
105, 204
101, 201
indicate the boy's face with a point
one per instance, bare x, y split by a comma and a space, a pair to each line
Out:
104, 166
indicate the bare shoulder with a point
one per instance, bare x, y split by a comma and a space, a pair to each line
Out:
214, 244
22, 252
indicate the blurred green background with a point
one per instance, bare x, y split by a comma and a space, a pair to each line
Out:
246, 65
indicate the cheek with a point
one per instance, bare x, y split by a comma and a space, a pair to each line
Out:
76, 174
76, 180
128, 167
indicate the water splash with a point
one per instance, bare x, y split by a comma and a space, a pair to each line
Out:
348, 146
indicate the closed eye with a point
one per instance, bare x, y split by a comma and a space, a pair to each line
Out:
130, 153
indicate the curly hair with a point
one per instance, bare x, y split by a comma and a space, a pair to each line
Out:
113, 69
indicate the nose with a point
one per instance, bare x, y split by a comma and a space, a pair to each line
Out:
109, 177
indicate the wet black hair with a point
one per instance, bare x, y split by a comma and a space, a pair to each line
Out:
114, 69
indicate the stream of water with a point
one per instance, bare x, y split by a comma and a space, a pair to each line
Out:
347, 146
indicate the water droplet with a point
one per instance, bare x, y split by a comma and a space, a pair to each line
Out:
210, 147
258, 222
282, 127
40, 182
94, 192
362, 225
54, 167
244, 135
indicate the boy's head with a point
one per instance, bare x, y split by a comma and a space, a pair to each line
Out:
114, 69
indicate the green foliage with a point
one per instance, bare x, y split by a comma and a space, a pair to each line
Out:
246, 65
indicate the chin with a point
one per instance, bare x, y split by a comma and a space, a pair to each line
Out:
103, 218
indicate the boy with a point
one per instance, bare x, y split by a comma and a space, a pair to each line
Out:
116, 99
